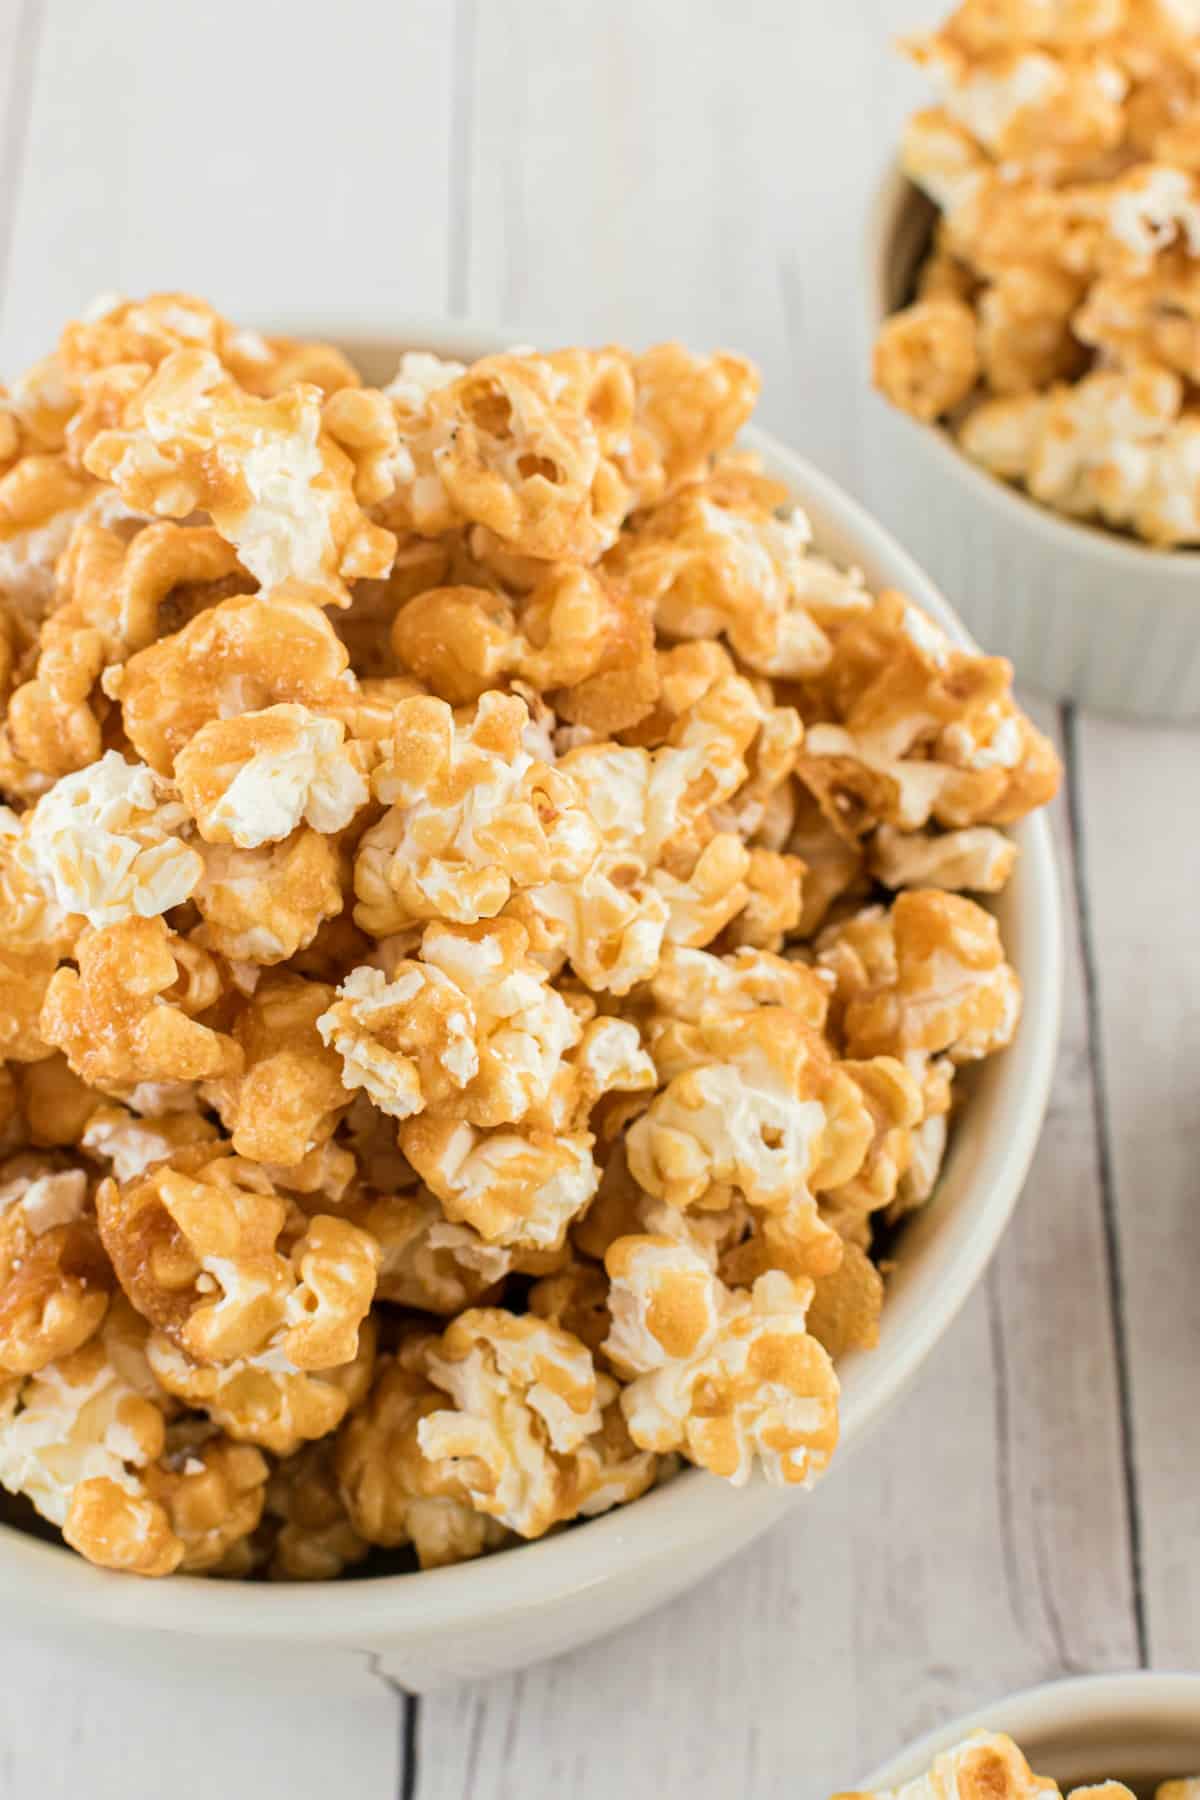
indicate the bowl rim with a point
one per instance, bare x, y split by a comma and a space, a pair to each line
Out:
1080, 1701
694, 1509
894, 195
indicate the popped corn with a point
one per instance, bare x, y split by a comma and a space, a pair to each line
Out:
734, 1377
1054, 325
195, 1241
254, 779
483, 935
105, 843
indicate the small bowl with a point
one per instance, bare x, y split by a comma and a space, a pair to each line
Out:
521, 1605
1082, 612
1140, 1729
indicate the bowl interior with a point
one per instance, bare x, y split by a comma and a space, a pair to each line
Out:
940, 1253
1140, 1728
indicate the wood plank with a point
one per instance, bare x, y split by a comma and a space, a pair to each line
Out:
977, 1543
278, 155
1142, 856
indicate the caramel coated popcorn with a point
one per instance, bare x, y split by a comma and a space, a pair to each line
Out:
1055, 328
989, 1766
490, 921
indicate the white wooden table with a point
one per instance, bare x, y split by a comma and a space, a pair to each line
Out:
637, 168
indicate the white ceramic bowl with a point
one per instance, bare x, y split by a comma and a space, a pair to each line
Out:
1083, 613
1140, 1729
535, 1601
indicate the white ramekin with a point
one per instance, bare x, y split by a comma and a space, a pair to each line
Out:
1082, 612
521, 1605
1140, 1728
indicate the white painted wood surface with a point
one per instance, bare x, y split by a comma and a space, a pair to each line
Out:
698, 167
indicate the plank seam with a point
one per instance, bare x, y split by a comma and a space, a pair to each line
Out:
406, 1785
1002, 1409
462, 144
410, 1719
1118, 1308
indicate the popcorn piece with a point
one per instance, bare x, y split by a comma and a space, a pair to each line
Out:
41, 500
393, 1494
54, 1280
212, 1492
1028, 329
124, 1014
926, 731
731, 1378
402, 1040
693, 985
774, 903
473, 1027
275, 485
753, 1105
254, 779
579, 638
429, 1263
194, 1242
112, 591
288, 1097
893, 1099
977, 859
687, 408
130, 1144
510, 444
265, 1399
245, 655
661, 872
926, 358
106, 843
721, 558
528, 1414
121, 587
926, 975
264, 906
516, 1189
984, 1764
473, 818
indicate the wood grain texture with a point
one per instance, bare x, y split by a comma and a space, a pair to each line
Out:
1136, 794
